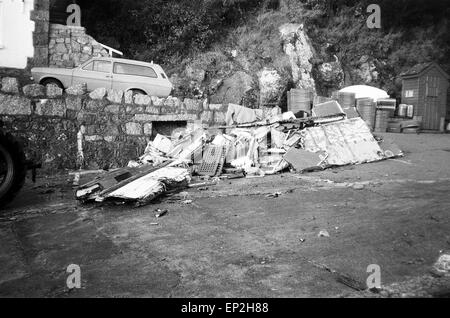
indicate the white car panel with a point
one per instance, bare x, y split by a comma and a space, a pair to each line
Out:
153, 80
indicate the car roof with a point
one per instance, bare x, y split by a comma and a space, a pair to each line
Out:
135, 62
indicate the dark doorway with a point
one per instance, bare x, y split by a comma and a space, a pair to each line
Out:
166, 128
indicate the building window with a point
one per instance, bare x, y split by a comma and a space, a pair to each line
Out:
432, 86
409, 93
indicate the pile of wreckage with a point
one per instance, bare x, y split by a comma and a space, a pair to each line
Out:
248, 146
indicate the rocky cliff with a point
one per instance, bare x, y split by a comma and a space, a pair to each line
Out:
251, 52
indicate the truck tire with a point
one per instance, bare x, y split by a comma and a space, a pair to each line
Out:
12, 168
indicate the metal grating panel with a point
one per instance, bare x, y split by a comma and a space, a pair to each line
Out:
211, 160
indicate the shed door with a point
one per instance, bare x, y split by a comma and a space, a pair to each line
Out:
431, 116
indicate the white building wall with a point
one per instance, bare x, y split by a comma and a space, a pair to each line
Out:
16, 33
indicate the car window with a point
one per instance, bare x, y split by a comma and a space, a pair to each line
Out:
137, 70
102, 66
88, 67
98, 66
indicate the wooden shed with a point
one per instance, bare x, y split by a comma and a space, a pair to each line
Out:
425, 86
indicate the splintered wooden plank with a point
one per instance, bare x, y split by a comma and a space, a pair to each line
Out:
143, 170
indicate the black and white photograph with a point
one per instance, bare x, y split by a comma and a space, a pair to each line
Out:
224, 154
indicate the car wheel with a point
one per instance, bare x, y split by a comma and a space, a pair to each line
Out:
52, 81
137, 92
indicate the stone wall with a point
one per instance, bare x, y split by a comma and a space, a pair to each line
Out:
41, 17
115, 126
70, 46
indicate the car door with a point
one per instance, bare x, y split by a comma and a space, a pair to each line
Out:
95, 73
132, 76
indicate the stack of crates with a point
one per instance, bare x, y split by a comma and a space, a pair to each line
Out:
300, 100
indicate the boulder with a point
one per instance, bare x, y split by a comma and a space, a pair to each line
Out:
442, 265
34, 90
98, 93
10, 85
53, 90
114, 96
141, 99
51, 107
133, 129
79, 89
156, 101
271, 86
193, 104
297, 46
128, 97
14, 105
233, 89
148, 129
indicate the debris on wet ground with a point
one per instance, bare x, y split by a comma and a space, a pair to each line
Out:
141, 184
358, 186
442, 265
198, 157
274, 195
160, 213
323, 233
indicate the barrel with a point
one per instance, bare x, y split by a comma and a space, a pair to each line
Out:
300, 99
382, 119
402, 110
410, 111
366, 108
346, 100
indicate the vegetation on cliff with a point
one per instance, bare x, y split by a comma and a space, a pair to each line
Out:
208, 41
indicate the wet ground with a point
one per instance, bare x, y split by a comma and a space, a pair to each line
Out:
235, 240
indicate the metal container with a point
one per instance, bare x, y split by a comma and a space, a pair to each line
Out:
387, 103
410, 111
367, 108
300, 99
402, 110
382, 119
346, 100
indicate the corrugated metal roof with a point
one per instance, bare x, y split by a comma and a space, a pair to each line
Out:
416, 69
419, 68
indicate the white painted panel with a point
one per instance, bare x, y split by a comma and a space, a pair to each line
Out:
16, 33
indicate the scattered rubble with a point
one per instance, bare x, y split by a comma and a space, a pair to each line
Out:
160, 213
253, 144
442, 265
